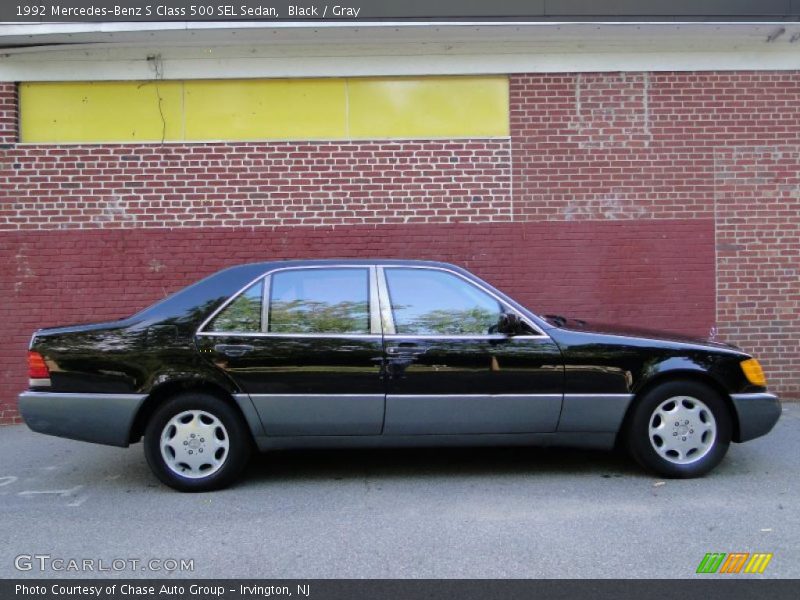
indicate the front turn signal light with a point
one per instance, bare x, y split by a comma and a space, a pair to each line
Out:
753, 371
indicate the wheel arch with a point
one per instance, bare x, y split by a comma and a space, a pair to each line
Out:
695, 375
161, 393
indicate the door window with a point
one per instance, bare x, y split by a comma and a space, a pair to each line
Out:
243, 315
320, 301
431, 302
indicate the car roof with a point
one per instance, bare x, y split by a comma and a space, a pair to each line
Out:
221, 284
354, 261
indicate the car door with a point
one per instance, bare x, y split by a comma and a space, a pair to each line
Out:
449, 372
305, 344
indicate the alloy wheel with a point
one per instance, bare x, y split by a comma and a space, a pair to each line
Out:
194, 444
682, 430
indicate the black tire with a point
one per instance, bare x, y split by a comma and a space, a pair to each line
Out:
232, 461
709, 450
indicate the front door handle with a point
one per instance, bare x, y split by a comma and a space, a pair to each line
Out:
403, 350
234, 350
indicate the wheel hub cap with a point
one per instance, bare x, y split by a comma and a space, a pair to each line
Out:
194, 444
682, 429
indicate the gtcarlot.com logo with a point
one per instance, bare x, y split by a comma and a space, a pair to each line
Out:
46, 562
733, 563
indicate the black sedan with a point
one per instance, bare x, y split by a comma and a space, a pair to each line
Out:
382, 353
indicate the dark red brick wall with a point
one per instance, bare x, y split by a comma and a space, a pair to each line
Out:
594, 270
664, 198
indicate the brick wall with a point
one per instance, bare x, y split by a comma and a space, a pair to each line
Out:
251, 185
606, 203
690, 146
8, 115
758, 256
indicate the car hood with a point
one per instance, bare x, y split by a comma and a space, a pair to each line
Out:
641, 332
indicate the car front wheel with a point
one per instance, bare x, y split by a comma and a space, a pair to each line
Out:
196, 442
680, 429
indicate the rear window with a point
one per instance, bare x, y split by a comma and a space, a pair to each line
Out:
243, 315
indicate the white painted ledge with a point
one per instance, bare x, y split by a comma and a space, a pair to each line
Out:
108, 51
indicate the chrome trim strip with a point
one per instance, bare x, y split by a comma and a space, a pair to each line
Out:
477, 336
265, 297
291, 335
598, 395
76, 395
387, 318
375, 325
287, 335
265, 275
754, 396
39, 382
369, 335
553, 395
365, 396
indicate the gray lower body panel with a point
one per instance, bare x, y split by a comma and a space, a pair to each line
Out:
99, 418
757, 414
320, 414
602, 441
593, 412
471, 414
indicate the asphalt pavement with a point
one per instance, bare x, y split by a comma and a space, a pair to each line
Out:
487, 513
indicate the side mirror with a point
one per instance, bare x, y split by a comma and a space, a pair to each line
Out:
509, 324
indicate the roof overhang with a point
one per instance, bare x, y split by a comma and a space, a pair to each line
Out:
184, 50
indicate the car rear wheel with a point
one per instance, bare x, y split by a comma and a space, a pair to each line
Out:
196, 442
680, 429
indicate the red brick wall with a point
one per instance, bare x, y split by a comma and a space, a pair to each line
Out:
605, 203
8, 114
758, 256
250, 185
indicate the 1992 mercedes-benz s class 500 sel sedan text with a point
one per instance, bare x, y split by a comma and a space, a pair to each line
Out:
378, 353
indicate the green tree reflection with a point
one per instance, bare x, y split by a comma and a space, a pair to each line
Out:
470, 321
309, 316
243, 315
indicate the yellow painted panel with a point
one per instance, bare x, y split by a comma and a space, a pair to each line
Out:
425, 107
291, 109
266, 109
107, 111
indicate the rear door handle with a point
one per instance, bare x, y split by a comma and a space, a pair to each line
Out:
234, 350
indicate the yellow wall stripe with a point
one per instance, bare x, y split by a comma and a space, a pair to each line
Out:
268, 109
431, 107
265, 109
100, 111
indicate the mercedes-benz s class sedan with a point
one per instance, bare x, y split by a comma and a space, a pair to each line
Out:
381, 353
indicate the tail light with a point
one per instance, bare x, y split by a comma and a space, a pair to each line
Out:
37, 368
